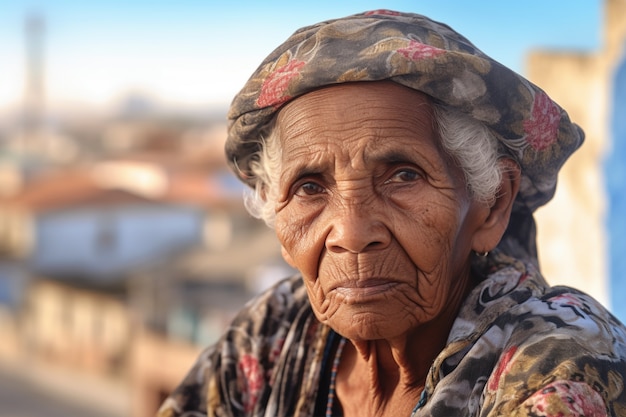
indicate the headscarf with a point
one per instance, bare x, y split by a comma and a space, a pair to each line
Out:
424, 55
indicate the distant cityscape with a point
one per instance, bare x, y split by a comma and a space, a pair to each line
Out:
124, 246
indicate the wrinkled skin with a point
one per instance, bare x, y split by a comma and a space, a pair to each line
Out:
380, 223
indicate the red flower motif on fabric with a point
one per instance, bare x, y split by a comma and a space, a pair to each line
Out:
541, 129
249, 366
276, 84
566, 399
503, 366
416, 51
383, 12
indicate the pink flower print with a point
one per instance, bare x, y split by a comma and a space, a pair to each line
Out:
566, 399
574, 303
382, 12
249, 366
541, 129
275, 85
416, 51
567, 300
503, 366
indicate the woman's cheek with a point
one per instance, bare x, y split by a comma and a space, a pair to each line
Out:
295, 237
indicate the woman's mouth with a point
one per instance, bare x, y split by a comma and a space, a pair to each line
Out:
364, 288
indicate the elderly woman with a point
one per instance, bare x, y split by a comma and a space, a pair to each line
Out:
400, 167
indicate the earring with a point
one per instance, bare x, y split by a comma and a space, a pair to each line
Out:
482, 254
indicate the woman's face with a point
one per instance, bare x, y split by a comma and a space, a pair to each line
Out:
370, 210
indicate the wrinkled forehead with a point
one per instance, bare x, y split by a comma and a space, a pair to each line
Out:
366, 125
378, 105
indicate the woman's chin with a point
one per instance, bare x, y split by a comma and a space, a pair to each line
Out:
360, 324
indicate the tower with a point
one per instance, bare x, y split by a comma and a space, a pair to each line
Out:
33, 110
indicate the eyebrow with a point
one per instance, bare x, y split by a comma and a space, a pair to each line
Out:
304, 169
388, 157
394, 156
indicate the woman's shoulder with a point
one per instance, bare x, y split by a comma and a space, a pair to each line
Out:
560, 322
565, 345
540, 343
576, 314
516, 298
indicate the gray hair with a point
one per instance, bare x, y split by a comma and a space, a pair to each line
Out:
469, 142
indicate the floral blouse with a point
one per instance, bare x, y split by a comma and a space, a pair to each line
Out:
517, 348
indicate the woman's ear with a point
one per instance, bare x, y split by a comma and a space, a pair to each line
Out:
489, 234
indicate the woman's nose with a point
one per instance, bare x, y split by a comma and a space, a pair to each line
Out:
357, 230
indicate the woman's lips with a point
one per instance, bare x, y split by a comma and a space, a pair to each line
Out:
364, 288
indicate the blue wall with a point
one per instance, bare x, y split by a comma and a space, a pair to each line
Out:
616, 186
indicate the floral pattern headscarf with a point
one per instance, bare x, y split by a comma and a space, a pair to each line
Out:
421, 54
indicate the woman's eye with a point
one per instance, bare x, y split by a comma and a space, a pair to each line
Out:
404, 175
309, 188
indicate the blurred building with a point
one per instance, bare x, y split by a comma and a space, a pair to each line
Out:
118, 267
573, 232
615, 169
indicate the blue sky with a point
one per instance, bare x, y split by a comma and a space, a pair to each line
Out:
198, 53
